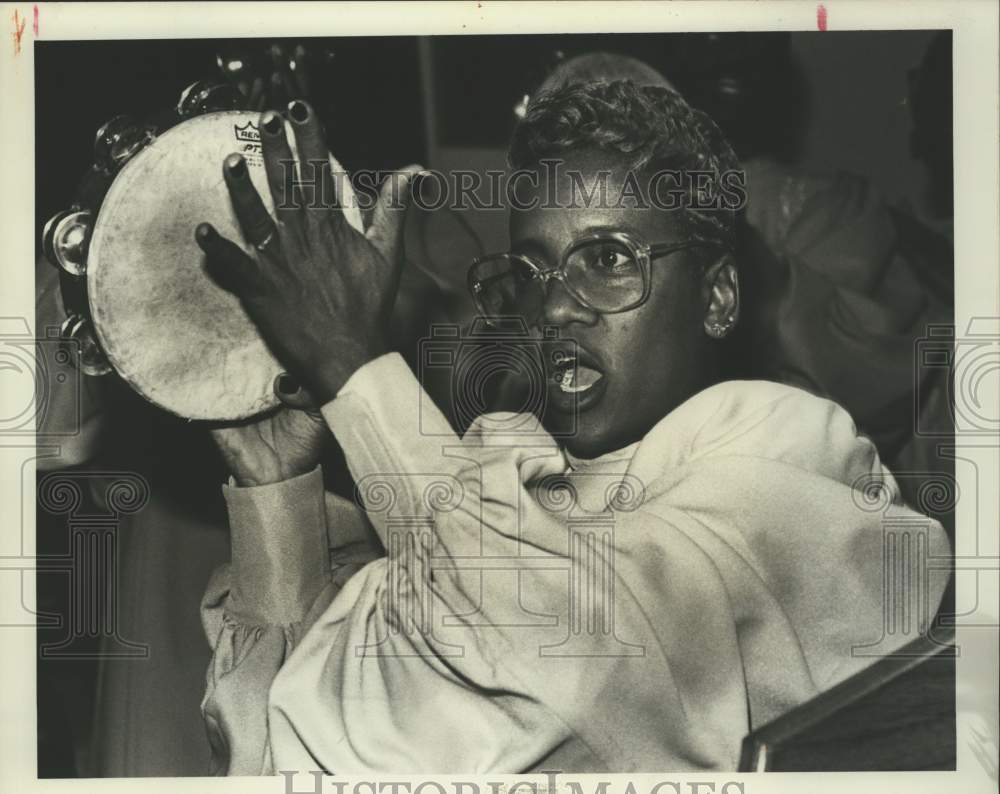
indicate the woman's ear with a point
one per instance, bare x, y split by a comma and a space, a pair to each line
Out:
721, 292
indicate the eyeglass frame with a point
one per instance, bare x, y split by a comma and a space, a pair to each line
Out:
644, 252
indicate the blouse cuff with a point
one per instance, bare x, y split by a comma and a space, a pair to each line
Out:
385, 422
280, 555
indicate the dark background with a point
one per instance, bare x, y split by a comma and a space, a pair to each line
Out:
826, 101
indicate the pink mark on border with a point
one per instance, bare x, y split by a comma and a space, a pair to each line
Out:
821, 16
34, 23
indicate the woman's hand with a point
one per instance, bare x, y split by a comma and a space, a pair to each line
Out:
276, 447
319, 291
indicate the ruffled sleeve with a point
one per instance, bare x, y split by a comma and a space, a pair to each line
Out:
284, 571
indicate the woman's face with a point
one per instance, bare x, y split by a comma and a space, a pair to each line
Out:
632, 367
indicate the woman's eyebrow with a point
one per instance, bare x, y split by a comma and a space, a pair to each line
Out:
603, 228
535, 246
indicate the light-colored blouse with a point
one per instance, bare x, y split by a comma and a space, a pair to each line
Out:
638, 612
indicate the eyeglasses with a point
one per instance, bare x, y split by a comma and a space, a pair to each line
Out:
607, 272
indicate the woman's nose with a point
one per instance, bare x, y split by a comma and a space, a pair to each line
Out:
561, 308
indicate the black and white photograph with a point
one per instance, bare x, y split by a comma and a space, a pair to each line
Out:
501, 392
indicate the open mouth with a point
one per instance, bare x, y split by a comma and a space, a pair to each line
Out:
576, 384
576, 378
573, 376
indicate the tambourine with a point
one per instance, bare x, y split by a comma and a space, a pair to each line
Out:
138, 298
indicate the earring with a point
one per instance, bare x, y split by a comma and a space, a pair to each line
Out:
720, 329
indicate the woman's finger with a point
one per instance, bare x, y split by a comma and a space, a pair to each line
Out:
386, 228
279, 164
316, 179
226, 263
293, 394
258, 227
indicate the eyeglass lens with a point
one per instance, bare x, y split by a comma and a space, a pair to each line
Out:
604, 274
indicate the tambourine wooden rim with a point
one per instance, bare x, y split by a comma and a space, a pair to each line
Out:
171, 333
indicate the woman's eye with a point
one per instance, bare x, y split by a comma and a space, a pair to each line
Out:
612, 259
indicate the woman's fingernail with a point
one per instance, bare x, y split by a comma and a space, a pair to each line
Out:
287, 384
299, 111
204, 232
271, 123
236, 165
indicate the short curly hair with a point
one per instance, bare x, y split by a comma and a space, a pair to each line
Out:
649, 126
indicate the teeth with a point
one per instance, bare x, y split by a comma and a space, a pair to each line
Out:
568, 376
576, 379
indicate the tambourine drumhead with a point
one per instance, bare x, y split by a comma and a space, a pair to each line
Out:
176, 337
